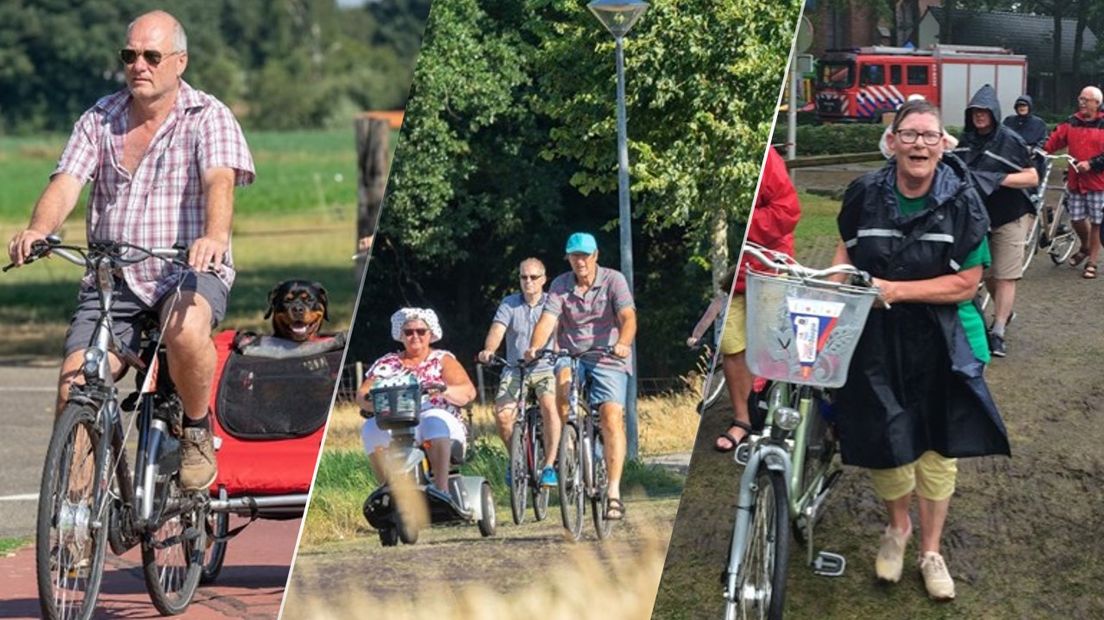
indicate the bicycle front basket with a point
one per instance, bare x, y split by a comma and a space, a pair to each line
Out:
802, 331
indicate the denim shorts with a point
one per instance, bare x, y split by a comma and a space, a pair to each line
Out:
607, 385
129, 313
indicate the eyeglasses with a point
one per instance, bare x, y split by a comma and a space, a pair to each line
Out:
419, 331
531, 277
909, 136
1085, 99
153, 57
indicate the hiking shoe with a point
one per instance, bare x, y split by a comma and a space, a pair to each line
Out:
891, 554
996, 345
549, 477
197, 459
937, 579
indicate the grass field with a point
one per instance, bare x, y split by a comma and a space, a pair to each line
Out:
297, 221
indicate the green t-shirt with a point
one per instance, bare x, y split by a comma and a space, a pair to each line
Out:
968, 313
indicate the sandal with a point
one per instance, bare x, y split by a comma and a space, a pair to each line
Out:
732, 441
615, 509
1090, 271
1078, 258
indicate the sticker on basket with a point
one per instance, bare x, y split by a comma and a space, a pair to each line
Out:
813, 320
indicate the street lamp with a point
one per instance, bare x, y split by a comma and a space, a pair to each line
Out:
619, 16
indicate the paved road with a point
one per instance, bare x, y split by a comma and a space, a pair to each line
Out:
251, 584
26, 416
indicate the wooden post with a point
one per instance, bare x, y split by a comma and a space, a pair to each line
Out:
373, 137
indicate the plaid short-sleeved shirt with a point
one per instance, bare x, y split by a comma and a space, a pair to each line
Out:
162, 204
590, 319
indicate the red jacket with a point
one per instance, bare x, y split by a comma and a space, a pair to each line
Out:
1085, 139
774, 217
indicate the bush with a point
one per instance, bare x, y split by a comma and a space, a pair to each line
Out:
834, 139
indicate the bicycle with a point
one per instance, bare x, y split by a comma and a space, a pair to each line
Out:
802, 332
581, 466
1053, 229
713, 379
526, 450
88, 497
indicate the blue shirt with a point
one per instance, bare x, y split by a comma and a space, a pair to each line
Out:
520, 318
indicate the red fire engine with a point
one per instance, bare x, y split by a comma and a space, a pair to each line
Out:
858, 85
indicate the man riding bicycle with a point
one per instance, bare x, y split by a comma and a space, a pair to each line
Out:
514, 320
593, 307
163, 159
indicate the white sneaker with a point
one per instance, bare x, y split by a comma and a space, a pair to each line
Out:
937, 579
891, 554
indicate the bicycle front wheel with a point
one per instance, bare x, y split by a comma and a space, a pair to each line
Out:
600, 501
536, 470
519, 474
1065, 241
761, 585
69, 548
570, 472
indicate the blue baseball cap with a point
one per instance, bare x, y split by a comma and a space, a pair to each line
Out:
581, 243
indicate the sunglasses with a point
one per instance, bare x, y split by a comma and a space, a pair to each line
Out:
420, 331
528, 277
153, 57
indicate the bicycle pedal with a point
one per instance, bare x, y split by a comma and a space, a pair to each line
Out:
828, 564
742, 454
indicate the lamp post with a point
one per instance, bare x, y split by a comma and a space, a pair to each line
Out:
619, 16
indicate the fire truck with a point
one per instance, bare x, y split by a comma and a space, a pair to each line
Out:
859, 85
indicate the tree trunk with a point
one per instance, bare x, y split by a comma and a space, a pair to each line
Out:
373, 137
1078, 40
1056, 78
718, 253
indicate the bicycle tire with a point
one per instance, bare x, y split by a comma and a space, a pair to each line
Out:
539, 491
218, 525
54, 565
1063, 244
1031, 243
572, 494
713, 386
600, 501
173, 553
519, 474
766, 554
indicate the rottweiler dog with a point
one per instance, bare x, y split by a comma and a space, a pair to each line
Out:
298, 309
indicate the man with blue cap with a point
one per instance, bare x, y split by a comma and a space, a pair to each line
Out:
593, 307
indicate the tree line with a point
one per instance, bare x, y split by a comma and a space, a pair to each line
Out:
280, 64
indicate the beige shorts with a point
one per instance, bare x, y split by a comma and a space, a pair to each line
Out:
542, 383
932, 476
734, 338
1007, 245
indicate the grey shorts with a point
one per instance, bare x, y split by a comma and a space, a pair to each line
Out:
542, 382
129, 313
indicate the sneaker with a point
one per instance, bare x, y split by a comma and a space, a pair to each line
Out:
937, 579
197, 461
996, 345
891, 554
548, 477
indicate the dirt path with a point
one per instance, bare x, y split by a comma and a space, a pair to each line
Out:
516, 557
1024, 538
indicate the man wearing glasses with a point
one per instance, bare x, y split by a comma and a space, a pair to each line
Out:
163, 159
592, 306
1000, 163
516, 316
1083, 133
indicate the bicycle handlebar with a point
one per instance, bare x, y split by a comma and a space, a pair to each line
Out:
1069, 158
116, 251
783, 262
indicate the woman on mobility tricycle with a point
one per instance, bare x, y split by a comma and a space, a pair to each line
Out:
414, 398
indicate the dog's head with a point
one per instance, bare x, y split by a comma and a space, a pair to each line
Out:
297, 308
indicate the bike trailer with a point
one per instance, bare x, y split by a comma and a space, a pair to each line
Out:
270, 407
